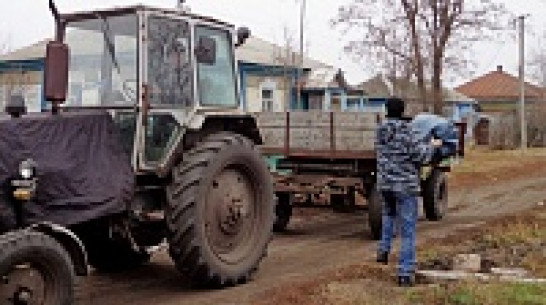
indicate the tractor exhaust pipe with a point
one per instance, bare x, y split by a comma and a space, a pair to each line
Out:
56, 64
58, 22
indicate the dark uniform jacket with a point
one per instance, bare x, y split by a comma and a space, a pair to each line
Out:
400, 154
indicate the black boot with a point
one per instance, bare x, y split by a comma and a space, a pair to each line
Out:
383, 257
405, 281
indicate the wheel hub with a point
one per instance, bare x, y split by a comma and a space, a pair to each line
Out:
232, 213
230, 210
233, 195
23, 285
22, 297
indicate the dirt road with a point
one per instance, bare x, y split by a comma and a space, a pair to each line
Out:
320, 242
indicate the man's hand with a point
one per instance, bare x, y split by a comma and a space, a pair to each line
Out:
436, 142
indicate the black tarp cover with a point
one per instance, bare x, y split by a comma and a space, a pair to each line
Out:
83, 172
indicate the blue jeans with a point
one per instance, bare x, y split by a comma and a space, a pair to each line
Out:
401, 207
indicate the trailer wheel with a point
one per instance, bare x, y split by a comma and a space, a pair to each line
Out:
220, 211
35, 269
283, 212
375, 214
435, 195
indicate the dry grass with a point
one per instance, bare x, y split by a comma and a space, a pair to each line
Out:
483, 166
515, 241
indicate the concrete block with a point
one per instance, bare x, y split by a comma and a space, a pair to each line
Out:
467, 262
513, 272
435, 276
451, 275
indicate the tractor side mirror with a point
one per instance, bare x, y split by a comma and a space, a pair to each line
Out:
56, 72
243, 33
206, 50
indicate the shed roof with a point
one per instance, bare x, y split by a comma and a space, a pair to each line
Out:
381, 86
259, 51
33, 51
323, 78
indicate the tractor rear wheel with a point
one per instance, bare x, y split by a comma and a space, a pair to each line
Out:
35, 269
220, 211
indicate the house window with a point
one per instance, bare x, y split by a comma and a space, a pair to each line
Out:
353, 104
315, 102
267, 100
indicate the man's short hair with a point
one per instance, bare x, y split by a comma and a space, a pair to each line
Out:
395, 107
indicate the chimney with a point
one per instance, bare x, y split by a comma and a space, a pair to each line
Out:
499, 68
181, 5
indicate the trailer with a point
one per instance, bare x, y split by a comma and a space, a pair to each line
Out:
324, 159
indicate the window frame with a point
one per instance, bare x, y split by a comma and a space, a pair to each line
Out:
234, 67
126, 14
269, 101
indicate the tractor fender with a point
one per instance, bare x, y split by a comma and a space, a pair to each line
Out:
239, 123
200, 126
70, 242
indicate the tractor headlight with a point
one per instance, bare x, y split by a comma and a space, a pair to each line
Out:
27, 169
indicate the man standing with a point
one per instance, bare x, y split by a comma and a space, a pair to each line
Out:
399, 157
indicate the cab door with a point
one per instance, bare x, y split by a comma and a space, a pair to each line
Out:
168, 90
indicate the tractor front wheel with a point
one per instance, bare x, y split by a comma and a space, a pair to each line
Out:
35, 269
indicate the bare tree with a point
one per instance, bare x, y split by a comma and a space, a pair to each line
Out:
537, 65
286, 57
429, 35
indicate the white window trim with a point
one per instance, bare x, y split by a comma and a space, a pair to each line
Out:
268, 85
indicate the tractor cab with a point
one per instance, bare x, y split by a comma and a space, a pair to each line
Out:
153, 69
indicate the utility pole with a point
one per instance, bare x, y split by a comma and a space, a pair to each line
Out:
523, 124
394, 73
300, 68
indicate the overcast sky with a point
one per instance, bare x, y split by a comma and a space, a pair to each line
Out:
23, 22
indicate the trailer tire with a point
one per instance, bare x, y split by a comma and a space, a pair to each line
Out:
435, 195
375, 212
220, 211
31, 253
283, 212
